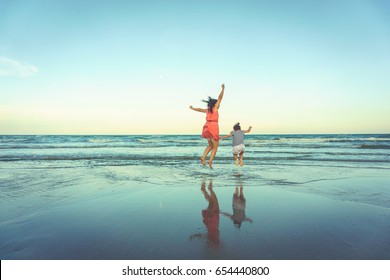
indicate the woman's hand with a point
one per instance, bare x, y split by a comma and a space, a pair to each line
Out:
223, 86
191, 107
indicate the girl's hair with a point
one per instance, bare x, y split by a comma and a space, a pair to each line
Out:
237, 126
210, 103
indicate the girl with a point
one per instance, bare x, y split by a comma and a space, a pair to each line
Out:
211, 128
238, 142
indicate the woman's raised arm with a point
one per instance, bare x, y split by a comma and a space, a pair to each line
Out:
198, 109
220, 96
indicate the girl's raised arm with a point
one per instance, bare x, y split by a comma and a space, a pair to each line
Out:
248, 130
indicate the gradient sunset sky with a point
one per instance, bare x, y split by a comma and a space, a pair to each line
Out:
135, 67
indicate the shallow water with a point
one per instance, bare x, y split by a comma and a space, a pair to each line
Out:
183, 150
121, 202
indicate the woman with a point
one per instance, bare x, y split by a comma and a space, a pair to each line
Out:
211, 128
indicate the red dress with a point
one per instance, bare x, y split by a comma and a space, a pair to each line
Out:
211, 128
211, 221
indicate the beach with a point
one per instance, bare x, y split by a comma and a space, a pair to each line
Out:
304, 197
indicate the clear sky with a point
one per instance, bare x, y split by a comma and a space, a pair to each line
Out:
135, 67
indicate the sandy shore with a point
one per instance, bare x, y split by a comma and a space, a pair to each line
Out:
102, 219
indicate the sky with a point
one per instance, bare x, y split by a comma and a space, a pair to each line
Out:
135, 67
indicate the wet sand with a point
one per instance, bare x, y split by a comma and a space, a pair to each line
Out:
93, 218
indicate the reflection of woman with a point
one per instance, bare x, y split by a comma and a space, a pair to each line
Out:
239, 205
210, 216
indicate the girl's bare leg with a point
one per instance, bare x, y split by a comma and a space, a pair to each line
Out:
241, 158
215, 144
236, 159
206, 151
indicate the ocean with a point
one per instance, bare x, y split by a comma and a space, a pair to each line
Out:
358, 150
122, 197
179, 154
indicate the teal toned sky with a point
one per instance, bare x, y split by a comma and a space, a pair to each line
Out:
134, 67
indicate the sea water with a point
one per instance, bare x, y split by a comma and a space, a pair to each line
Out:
39, 151
178, 156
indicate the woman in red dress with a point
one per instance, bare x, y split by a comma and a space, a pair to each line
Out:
211, 128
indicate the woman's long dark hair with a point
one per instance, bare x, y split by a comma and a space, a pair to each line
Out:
210, 103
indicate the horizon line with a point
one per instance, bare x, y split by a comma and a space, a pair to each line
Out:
190, 134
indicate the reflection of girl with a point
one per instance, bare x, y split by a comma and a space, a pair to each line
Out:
239, 205
211, 128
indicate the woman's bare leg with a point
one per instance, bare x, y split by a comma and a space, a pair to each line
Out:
236, 159
206, 151
241, 158
215, 144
